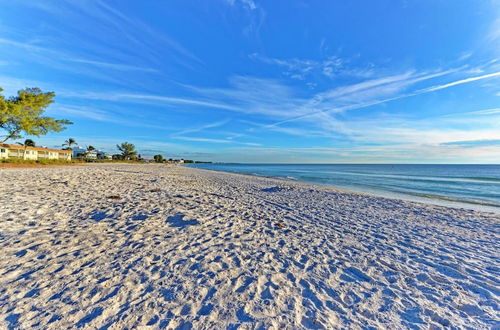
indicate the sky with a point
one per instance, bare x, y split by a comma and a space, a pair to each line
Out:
282, 81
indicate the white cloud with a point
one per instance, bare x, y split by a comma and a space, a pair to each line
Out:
459, 82
201, 139
202, 127
402, 153
301, 68
494, 34
211, 140
248, 4
492, 111
114, 66
96, 114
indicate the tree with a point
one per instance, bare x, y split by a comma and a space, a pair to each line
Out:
158, 158
28, 143
69, 143
90, 148
127, 150
24, 114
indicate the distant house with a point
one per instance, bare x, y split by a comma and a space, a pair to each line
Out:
84, 153
32, 153
103, 155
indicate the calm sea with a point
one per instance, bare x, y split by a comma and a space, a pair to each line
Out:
466, 186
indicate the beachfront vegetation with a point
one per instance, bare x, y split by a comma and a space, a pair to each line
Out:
69, 143
28, 143
24, 114
127, 150
158, 158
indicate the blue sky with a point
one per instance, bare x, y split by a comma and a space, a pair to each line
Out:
275, 81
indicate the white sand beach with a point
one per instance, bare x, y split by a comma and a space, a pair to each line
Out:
156, 246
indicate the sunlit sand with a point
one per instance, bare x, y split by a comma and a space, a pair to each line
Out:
115, 246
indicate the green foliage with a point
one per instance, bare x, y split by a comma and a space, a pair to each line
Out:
158, 158
69, 143
127, 151
90, 148
28, 143
24, 114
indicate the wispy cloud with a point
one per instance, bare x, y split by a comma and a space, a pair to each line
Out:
100, 115
274, 100
114, 66
249, 4
69, 57
148, 98
175, 100
63, 61
460, 82
82, 50
484, 112
81, 112
368, 93
118, 18
474, 143
210, 140
301, 68
253, 16
202, 127
494, 34
403, 153
201, 139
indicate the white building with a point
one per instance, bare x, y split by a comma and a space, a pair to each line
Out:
103, 155
32, 153
84, 153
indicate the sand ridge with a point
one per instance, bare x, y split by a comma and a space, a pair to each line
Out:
155, 246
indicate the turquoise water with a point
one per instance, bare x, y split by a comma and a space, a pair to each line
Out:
468, 186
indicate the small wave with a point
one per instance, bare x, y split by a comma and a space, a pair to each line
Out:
412, 177
482, 178
454, 199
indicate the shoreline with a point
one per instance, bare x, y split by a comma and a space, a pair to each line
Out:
443, 201
124, 245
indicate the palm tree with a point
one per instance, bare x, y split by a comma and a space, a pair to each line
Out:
26, 143
128, 150
69, 143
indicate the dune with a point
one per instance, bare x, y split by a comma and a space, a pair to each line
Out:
111, 246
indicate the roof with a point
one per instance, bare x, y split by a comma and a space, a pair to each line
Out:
17, 146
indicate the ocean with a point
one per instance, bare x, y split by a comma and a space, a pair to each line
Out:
464, 186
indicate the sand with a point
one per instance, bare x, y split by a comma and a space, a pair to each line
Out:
34, 165
155, 246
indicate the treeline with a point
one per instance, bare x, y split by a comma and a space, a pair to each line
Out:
24, 114
161, 159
